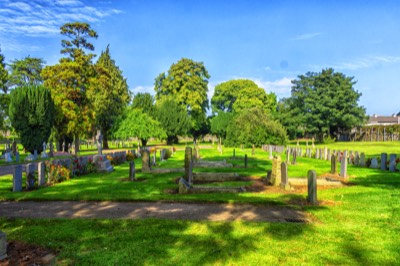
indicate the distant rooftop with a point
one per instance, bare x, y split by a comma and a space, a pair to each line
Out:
383, 120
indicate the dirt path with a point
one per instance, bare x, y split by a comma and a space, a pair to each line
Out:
140, 210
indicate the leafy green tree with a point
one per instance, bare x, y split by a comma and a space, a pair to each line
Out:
3, 74
290, 117
240, 94
254, 126
187, 82
26, 71
220, 123
326, 103
69, 80
173, 119
144, 101
140, 125
32, 115
108, 94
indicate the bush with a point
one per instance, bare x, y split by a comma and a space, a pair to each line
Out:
57, 173
130, 156
79, 168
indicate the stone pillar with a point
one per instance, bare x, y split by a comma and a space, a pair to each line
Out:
325, 157
99, 140
284, 176
3, 245
245, 161
270, 152
276, 171
312, 187
392, 162
17, 157
287, 155
294, 157
41, 174
190, 173
329, 155
17, 178
333, 164
188, 159
132, 171
383, 161
343, 165
146, 161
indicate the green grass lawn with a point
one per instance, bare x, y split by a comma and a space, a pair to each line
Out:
357, 225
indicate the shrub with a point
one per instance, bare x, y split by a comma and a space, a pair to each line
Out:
57, 173
79, 168
130, 156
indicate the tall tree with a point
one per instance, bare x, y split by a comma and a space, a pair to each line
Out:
3, 74
26, 71
326, 103
69, 81
32, 115
144, 101
187, 82
139, 124
220, 123
4, 97
173, 119
108, 94
240, 94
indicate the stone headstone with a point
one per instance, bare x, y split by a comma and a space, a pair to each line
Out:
276, 178
190, 173
329, 155
51, 152
287, 154
325, 156
333, 164
17, 178
245, 161
17, 157
146, 161
3, 245
30, 176
270, 152
374, 163
99, 140
284, 176
294, 161
132, 171
343, 165
357, 158
7, 157
383, 161
188, 159
392, 162
41, 173
35, 154
362, 159
317, 154
312, 187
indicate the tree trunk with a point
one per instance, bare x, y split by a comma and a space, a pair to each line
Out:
144, 142
77, 144
105, 141
59, 145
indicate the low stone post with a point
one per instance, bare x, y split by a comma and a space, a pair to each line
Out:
146, 161
312, 187
270, 152
333, 164
276, 177
190, 173
343, 165
17, 178
17, 157
188, 159
132, 171
362, 159
383, 161
41, 174
245, 161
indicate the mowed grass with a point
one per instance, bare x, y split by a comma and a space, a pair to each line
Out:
354, 225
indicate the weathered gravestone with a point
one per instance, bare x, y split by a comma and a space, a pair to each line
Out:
51, 152
17, 178
99, 140
190, 173
132, 171
362, 159
35, 154
312, 187
3, 245
294, 161
41, 173
270, 152
392, 162
284, 177
146, 161
7, 157
329, 155
17, 157
30, 176
188, 159
276, 178
287, 154
333, 164
343, 165
357, 158
374, 163
14, 147
383, 161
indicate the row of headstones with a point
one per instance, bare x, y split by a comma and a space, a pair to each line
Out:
30, 176
273, 148
146, 163
119, 155
280, 177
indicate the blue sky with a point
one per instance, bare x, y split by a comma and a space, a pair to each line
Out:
270, 42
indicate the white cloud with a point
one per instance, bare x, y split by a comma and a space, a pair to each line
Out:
365, 62
143, 89
44, 17
305, 36
281, 87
